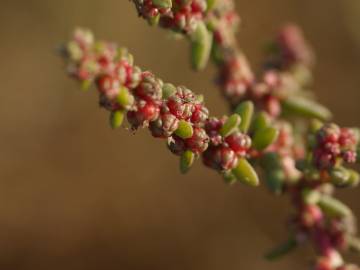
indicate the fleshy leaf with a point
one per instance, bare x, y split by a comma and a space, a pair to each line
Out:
246, 111
231, 125
340, 176
168, 90
229, 177
274, 174
334, 207
162, 3
210, 4
261, 121
354, 178
86, 84
311, 196
305, 107
116, 119
245, 173
124, 97
185, 130
186, 161
265, 137
201, 43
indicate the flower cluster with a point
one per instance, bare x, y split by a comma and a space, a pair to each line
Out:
179, 15
334, 145
325, 221
252, 135
169, 112
286, 71
225, 148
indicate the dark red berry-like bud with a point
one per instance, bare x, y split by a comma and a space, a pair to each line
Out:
220, 158
149, 89
334, 144
164, 126
182, 103
199, 115
106, 83
176, 145
199, 142
239, 143
146, 112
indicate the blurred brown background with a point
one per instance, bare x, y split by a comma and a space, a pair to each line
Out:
76, 195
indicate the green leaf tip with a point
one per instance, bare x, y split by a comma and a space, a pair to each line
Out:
246, 111
261, 121
168, 90
334, 207
231, 125
201, 43
245, 173
124, 97
307, 108
185, 130
340, 176
116, 119
263, 138
162, 3
186, 161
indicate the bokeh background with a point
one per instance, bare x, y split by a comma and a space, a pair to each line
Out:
76, 195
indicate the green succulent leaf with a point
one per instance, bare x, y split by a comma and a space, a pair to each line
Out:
210, 4
354, 178
246, 111
273, 172
231, 125
168, 90
124, 97
201, 43
260, 122
154, 21
275, 180
245, 173
186, 161
229, 177
334, 207
116, 119
265, 137
185, 130
340, 176
85, 85
162, 3
306, 108
311, 196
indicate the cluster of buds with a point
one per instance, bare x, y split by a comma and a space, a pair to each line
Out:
325, 221
334, 146
286, 72
153, 10
230, 145
281, 88
172, 113
178, 15
292, 47
227, 145
175, 113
